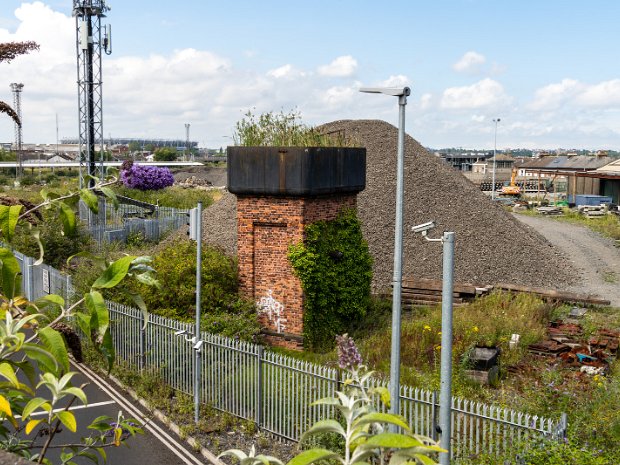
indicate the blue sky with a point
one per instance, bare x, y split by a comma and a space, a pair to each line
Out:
547, 68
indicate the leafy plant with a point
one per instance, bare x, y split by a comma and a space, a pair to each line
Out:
31, 342
335, 269
283, 130
363, 429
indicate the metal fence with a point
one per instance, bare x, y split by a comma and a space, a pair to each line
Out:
276, 391
112, 223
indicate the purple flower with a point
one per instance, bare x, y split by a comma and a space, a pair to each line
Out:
349, 357
146, 177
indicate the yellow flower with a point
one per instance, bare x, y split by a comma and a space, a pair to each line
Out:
438, 347
475, 329
427, 328
439, 333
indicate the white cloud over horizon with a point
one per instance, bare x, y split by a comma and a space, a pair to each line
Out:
154, 95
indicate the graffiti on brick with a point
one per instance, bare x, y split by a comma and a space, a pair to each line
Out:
273, 310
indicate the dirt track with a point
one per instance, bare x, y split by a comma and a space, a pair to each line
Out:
595, 258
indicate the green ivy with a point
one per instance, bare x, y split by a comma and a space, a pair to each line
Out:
335, 269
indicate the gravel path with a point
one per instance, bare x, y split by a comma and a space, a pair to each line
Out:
595, 259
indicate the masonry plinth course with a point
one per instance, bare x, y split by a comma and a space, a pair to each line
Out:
267, 225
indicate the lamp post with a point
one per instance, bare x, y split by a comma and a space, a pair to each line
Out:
401, 93
496, 120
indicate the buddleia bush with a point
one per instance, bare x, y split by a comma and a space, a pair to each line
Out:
145, 178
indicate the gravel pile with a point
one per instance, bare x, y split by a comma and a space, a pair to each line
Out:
491, 246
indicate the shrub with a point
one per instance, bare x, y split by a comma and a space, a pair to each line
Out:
145, 177
335, 269
175, 197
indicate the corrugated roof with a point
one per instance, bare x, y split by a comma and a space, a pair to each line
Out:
580, 162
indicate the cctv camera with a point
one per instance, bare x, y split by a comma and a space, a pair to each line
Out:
198, 345
422, 228
180, 332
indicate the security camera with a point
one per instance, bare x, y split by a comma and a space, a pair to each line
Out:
422, 228
180, 332
198, 345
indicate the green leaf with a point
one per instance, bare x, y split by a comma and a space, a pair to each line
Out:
107, 349
139, 301
51, 299
110, 194
10, 275
391, 441
77, 392
99, 315
45, 359
378, 417
90, 199
148, 279
68, 419
32, 424
311, 456
9, 214
34, 404
36, 235
7, 372
114, 274
67, 216
325, 426
54, 342
102, 453
101, 423
384, 395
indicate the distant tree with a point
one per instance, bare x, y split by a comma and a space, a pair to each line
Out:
5, 155
9, 51
134, 146
165, 154
150, 148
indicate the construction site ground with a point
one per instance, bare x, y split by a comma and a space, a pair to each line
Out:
594, 258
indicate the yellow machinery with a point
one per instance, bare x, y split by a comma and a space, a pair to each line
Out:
511, 189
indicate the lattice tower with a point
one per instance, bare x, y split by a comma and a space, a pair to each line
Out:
17, 106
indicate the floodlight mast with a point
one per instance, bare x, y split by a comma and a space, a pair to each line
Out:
89, 45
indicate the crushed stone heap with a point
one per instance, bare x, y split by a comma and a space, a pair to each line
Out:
491, 245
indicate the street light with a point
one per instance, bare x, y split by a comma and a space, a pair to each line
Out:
496, 120
401, 93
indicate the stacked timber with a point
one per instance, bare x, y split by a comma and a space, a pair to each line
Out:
555, 295
424, 291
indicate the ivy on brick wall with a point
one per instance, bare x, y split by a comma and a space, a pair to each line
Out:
335, 269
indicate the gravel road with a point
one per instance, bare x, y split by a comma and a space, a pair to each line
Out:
594, 257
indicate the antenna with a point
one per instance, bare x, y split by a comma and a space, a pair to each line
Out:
90, 41
17, 106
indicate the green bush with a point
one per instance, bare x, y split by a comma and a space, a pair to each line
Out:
58, 246
335, 269
222, 310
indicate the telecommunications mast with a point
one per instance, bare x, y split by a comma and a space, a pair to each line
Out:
91, 40
17, 106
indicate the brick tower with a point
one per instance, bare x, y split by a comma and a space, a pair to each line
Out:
280, 191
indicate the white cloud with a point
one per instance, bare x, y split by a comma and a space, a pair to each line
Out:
426, 101
483, 94
343, 66
395, 81
604, 94
554, 95
469, 63
287, 71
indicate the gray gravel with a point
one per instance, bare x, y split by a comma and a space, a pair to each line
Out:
491, 245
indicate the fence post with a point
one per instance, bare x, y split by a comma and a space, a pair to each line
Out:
143, 323
259, 387
434, 417
28, 278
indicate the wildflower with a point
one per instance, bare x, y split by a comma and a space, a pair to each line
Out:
438, 347
438, 333
475, 329
427, 328
349, 357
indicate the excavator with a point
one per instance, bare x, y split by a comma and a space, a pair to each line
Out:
511, 190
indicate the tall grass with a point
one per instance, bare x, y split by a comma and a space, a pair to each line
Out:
283, 130
176, 197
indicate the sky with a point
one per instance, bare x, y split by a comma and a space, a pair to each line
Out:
548, 69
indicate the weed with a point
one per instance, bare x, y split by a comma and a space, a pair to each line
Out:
610, 277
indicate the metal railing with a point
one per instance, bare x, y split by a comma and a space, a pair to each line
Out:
117, 224
276, 391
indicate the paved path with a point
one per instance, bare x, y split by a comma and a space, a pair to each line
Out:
156, 447
594, 257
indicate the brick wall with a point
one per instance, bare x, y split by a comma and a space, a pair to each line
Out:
266, 226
